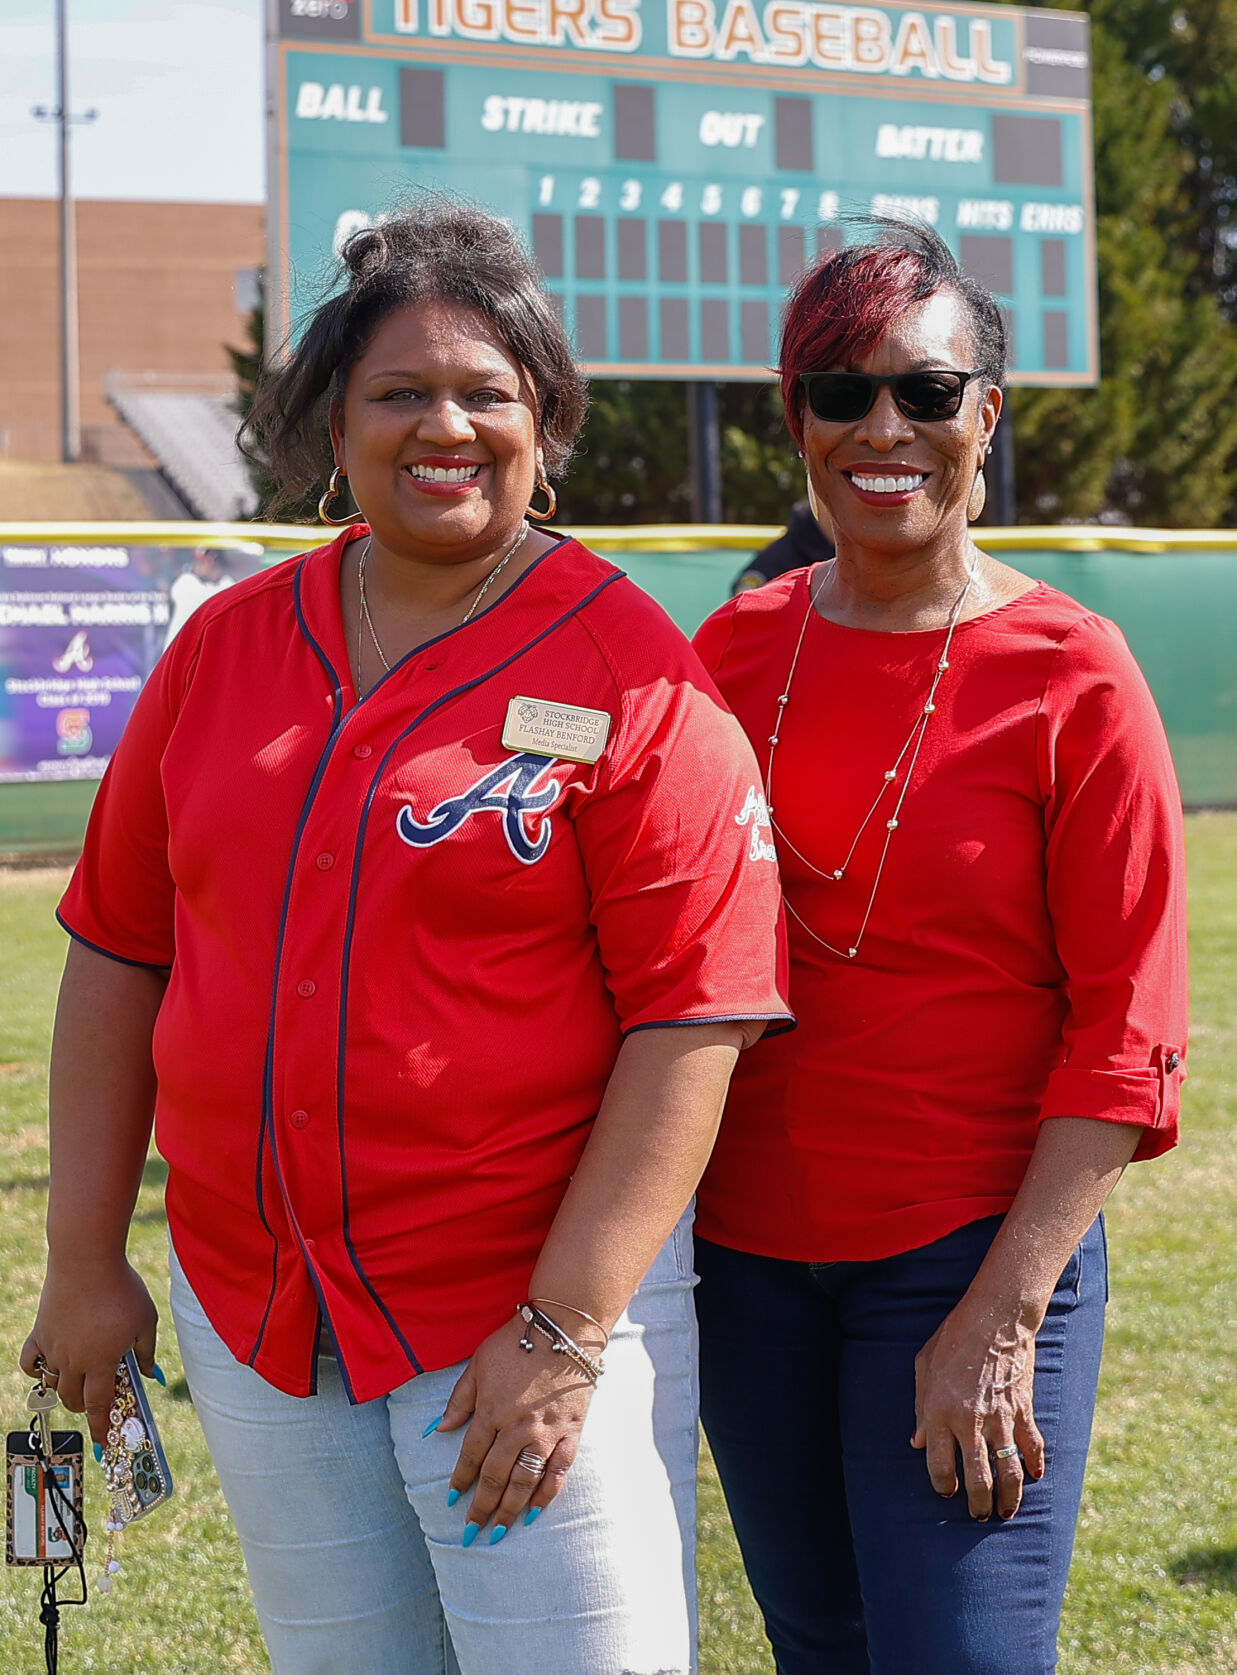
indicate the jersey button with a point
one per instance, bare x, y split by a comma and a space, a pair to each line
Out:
306, 987
326, 861
362, 750
299, 1119
1172, 1061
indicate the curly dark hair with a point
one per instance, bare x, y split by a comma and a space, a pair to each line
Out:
434, 249
841, 308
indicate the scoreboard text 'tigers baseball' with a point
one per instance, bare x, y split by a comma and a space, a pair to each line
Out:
674, 163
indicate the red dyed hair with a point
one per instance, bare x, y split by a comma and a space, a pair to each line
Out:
839, 311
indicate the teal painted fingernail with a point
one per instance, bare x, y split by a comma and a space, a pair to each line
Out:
500, 1531
470, 1534
157, 1372
431, 1428
98, 1452
532, 1515
452, 1496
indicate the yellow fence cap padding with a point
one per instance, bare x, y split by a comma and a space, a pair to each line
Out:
667, 537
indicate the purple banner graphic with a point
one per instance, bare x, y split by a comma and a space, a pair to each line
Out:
80, 630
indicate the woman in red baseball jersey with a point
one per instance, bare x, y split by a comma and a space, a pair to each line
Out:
392, 897
902, 1269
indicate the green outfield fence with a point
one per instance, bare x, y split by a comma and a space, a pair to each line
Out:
1173, 592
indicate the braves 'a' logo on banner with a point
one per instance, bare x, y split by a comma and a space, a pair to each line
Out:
510, 790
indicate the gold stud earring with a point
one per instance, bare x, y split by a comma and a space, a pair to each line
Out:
330, 495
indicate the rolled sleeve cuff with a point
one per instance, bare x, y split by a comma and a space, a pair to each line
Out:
1147, 1097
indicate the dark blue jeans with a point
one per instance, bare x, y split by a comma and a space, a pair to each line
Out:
808, 1400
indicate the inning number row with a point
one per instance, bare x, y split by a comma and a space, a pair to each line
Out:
675, 196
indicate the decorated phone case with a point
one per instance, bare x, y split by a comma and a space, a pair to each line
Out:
138, 1477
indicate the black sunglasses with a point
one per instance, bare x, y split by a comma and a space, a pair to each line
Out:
839, 398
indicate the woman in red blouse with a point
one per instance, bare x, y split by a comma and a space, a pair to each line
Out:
902, 1259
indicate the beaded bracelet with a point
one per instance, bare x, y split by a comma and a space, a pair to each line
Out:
561, 1343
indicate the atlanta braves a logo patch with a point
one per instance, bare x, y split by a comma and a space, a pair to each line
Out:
510, 790
756, 809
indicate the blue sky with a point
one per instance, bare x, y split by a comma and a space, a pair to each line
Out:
178, 85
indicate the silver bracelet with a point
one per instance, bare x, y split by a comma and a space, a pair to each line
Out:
553, 1303
561, 1343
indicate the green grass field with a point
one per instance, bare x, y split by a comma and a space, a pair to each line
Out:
1154, 1586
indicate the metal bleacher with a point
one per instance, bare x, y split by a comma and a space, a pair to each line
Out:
189, 424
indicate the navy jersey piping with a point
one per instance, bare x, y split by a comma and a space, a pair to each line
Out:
785, 1020
379, 770
266, 1130
121, 959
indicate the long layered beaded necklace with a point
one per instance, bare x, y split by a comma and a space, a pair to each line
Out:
895, 783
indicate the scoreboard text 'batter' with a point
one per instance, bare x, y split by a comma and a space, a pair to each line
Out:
675, 163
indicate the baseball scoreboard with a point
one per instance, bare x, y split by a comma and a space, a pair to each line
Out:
674, 164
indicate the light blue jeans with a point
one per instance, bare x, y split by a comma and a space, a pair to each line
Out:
355, 1559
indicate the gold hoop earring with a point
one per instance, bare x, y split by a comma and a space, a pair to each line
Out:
332, 493
979, 497
543, 486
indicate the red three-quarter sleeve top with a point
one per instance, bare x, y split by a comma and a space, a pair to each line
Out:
1025, 957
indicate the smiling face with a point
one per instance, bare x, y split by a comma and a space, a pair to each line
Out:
890, 484
437, 432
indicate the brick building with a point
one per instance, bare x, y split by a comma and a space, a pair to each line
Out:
162, 287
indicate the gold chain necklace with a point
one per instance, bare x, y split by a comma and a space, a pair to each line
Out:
365, 620
912, 747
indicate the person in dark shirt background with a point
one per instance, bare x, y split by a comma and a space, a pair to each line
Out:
804, 542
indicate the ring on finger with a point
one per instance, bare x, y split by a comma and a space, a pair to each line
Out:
531, 1461
1006, 1453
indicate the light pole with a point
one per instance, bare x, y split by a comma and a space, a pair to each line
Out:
70, 391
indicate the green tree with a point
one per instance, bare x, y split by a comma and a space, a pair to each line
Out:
1191, 45
1156, 442
762, 474
247, 364
631, 465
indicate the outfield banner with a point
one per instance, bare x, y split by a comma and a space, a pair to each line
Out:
71, 595
81, 627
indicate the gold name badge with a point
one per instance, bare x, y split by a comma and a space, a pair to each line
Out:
565, 731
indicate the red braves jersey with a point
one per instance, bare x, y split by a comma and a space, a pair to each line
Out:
403, 954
